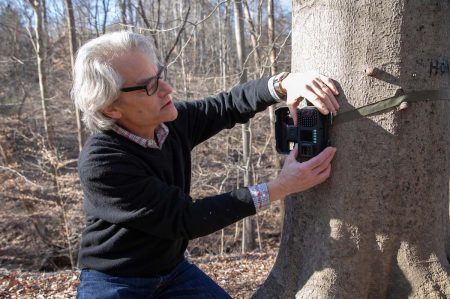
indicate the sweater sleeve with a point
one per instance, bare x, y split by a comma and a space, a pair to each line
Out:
119, 191
205, 118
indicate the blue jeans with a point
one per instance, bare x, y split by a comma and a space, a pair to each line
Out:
185, 281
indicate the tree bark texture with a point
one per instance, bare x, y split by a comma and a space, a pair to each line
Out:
377, 228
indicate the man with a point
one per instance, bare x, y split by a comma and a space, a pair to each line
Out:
135, 170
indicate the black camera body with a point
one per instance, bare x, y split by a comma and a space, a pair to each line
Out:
311, 134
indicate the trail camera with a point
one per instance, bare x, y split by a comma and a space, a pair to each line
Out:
311, 134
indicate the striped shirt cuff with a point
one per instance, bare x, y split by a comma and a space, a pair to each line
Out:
260, 196
272, 91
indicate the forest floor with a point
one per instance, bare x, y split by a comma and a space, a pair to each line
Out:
239, 275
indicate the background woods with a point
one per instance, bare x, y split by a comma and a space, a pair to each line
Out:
41, 135
376, 229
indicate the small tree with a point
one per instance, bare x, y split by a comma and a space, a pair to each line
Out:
73, 49
38, 44
248, 232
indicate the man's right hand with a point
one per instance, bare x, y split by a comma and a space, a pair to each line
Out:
296, 177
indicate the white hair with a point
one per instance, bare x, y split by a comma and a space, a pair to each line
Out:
96, 84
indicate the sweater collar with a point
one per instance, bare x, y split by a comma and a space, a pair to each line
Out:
161, 133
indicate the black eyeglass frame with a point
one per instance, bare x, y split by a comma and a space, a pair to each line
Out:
162, 74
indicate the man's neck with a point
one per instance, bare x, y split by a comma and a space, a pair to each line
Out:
147, 133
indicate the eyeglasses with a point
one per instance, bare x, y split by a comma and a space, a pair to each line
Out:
152, 85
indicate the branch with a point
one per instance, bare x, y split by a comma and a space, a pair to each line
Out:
143, 15
178, 35
20, 175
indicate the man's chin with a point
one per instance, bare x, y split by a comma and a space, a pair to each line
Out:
173, 115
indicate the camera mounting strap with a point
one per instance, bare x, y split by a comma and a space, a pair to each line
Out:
415, 96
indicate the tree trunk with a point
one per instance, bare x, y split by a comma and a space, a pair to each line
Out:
42, 72
377, 228
131, 12
254, 38
123, 11
271, 111
73, 49
180, 49
248, 233
105, 4
222, 45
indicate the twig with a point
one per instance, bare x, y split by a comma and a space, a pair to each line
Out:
183, 26
2, 152
20, 175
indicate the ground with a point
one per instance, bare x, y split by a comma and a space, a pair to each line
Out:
239, 275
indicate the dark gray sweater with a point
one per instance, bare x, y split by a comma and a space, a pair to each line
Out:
139, 215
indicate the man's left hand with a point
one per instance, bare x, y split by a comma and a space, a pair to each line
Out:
316, 88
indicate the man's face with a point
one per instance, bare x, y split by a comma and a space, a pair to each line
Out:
135, 110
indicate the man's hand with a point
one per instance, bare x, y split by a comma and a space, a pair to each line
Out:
296, 177
316, 88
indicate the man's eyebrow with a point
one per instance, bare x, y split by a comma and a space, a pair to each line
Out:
144, 81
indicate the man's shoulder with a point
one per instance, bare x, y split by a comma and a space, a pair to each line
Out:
104, 140
105, 145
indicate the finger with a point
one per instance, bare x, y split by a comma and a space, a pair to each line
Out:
329, 83
293, 99
293, 154
316, 101
325, 174
331, 90
324, 94
321, 158
321, 167
335, 103
293, 112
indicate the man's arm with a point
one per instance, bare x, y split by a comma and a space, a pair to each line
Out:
118, 190
204, 118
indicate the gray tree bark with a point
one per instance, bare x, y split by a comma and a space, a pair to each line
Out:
377, 228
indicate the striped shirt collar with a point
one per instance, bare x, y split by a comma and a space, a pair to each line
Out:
161, 133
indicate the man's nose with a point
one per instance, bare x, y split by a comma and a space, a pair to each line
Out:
164, 87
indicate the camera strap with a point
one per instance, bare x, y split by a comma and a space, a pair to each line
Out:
415, 96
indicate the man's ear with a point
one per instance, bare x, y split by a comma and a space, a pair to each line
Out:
112, 112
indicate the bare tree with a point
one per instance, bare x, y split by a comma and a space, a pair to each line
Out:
248, 233
73, 49
155, 14
123, 11
223, 37
105, 5
254, 38
38, 44
177, 38
271, 110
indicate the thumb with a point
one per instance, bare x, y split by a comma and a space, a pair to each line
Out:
293, 112
293, 154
